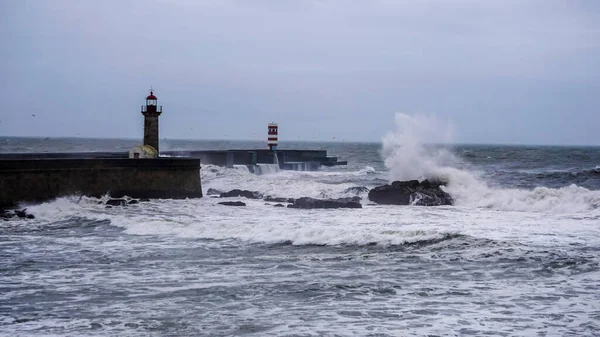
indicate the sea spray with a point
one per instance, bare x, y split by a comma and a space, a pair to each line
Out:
409, 153
404, 151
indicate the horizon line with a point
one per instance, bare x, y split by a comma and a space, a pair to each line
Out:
305, 141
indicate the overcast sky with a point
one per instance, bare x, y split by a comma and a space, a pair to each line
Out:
517, 72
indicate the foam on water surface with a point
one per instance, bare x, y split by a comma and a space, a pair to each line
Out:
193, 267
503, 261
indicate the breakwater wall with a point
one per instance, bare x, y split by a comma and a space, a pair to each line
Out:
287, 159
32, 180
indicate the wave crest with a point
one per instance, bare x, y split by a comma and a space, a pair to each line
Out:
407, 157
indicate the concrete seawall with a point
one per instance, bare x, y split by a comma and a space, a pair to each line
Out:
34, 180
287, 158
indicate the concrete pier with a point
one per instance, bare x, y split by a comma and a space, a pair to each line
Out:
34, 180
288, 159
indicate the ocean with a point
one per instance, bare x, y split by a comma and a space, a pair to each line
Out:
517, 255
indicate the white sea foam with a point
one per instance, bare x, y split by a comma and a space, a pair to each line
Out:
262, 223
290, 184
266, 168
408, 157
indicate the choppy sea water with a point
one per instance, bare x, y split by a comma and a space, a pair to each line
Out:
518, 255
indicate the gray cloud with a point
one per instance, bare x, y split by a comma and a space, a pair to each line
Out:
502, 71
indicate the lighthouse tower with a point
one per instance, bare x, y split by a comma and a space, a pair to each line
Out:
151, 111
272, 136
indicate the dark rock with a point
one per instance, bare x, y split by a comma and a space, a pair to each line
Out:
6, 215
278, 205
412, 192
21, 213
241, 193
144, 200
212, 191
116, 202
108, 206
275, 199
356, 190
232, 203
133, 202
308, 203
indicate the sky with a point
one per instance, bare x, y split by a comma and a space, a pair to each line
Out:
505, 71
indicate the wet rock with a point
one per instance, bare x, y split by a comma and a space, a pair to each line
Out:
309, 203
357, 190
275, 199
412, 192
116, 202
212, 191
144, 200
133, 202
232, 203
6, 215
241, 193
278, 205
21, 213
95, 326
108, 206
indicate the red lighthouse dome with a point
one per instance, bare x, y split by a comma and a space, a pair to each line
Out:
151, 96
151, 99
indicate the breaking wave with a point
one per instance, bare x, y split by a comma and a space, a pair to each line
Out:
408, 154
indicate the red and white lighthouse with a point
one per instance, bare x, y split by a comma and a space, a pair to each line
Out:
272, 136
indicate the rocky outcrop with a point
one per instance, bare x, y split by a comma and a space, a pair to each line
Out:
19, 213
241, 193
212, 191
412, 192
357, 190
116, 202
277, 199
232, 203
309, 203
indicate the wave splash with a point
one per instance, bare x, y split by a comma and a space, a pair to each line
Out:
408, 154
